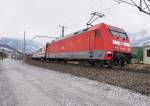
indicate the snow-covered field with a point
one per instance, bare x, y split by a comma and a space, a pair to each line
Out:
25, 85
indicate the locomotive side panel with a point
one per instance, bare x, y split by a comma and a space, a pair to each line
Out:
75, 47
93, 44
96, 46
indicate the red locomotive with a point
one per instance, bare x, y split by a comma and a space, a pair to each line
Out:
100, 44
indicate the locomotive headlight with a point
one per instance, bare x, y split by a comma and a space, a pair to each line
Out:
116, 42
109, 52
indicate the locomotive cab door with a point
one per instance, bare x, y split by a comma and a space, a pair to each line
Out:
91, 43
97, 44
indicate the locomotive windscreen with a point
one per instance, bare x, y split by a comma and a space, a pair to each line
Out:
119, 34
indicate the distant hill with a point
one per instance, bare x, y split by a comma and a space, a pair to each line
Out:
6, 46
139, 38
17, 44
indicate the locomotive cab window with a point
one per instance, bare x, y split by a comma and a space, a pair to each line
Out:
97, 32
119, 34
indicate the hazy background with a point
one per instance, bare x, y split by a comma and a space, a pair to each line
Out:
43, 17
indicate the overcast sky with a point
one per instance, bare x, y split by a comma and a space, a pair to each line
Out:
43, 17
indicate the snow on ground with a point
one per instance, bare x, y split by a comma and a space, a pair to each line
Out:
25, 85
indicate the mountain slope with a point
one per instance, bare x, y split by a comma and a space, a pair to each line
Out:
139, 38
18, 44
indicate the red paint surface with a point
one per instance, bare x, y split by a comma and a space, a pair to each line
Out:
87, 42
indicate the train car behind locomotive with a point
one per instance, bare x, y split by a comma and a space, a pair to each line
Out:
99, 44
39, 54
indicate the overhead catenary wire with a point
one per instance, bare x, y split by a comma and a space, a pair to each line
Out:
108, 8
102, 11
97, 4
84, 10
140, 6
124, 2
146, 5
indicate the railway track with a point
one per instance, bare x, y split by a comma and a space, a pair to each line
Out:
114, 68
126, 77
127, 69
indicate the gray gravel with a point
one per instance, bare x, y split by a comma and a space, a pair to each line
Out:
129, 79
25, 85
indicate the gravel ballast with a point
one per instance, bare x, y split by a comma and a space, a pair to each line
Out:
132, 80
